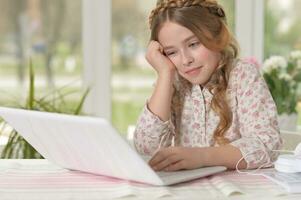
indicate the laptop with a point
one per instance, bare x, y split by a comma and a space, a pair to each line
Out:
91, 145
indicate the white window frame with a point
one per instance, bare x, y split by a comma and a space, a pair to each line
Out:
249, 27
97, 57
249, 30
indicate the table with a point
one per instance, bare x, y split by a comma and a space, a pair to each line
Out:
38, 179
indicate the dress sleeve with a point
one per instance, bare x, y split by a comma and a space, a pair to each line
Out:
257, 116
151, 132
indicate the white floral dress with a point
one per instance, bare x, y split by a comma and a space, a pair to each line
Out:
254, 128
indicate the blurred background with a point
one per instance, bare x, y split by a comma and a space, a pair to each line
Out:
50, 33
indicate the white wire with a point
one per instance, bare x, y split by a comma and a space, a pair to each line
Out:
261, 166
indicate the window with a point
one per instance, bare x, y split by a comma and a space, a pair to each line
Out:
49, 33
282, 27
132, 77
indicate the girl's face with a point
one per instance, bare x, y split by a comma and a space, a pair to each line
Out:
192, 59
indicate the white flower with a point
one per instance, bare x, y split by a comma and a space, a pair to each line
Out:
295, 55
274, 62
285, 76
293, 83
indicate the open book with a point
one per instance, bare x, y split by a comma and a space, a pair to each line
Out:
91, 145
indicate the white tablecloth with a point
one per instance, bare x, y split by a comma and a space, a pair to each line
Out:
39, 180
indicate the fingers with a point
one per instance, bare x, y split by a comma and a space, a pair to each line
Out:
156, 57
176, 158
176, 166
161, 155
164, 164
164, 158
156, 45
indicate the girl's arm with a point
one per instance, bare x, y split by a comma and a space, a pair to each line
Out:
160, 100
257, 118
154, 121
227, 156
177, 158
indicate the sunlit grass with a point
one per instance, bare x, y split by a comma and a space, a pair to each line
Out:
126, 106
125, 114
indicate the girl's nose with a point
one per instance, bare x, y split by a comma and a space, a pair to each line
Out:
187, 59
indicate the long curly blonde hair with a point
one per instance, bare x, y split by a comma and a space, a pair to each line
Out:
207, 20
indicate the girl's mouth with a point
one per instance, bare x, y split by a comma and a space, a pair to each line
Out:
194, 71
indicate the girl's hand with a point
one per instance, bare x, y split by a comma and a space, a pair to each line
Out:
157, 59
177, 158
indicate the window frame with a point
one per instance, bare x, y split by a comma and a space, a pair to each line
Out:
249, 29
97, 57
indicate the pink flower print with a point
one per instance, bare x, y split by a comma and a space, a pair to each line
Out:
244, 110
196, 102
243, 75
257, 126
196, 126
254, 106
262, 101
275, 123
146, 150
249, 93
256, 114
240, 93
196, 111
253, 60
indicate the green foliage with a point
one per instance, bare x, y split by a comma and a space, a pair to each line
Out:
16, 146
283, 77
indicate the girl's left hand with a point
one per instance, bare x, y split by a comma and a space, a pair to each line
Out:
177, 158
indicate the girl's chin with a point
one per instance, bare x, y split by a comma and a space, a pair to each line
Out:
196, 82
193, 81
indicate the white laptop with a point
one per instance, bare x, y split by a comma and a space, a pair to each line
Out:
90, 145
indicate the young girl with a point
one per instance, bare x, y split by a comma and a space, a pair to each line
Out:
208, 107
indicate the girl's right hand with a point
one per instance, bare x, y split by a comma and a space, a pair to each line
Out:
158, 60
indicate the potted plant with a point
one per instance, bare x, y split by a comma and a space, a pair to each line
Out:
17, 147
283, 75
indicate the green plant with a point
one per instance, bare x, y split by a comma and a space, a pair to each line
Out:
17, 147
283, 76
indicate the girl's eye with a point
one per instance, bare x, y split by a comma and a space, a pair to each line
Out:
194, 44
170, 53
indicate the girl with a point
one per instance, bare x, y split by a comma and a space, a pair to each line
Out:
208, 107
